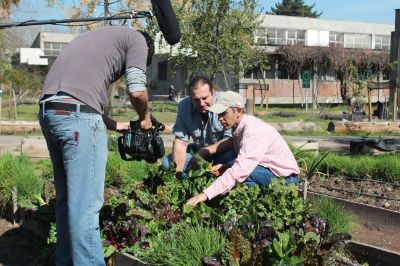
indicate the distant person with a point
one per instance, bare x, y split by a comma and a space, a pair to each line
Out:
171, 93
195, 123
262, 152
74, 125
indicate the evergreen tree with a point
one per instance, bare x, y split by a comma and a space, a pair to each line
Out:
295, 8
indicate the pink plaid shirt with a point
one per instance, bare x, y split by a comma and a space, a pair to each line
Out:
256, 143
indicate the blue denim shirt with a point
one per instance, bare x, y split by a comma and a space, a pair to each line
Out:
189, 124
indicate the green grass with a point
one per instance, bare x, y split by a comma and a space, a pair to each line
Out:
384, 167
339, 220
184, 245
18, 171
25, 112
166, 113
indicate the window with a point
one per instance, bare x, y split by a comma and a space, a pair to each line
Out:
253, 73
382, 42
357, 40
336, 39
162, 70
53, 48
262, 32
278, 36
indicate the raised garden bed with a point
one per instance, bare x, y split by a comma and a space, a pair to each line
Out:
372, 215
362, 252
373, 255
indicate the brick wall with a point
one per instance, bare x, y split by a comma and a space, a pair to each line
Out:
283, 91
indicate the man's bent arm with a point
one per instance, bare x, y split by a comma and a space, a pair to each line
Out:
219, 147
139, 101
114, 125
179, 154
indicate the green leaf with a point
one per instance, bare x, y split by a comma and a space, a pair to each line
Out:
108, 251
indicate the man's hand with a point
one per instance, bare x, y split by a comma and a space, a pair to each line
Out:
197, 199
122, 126
219, 169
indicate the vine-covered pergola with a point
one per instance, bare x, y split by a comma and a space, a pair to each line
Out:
356, 69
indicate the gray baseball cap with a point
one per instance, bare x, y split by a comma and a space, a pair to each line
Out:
225, 100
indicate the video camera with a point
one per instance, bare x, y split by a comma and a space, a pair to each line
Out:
142, 145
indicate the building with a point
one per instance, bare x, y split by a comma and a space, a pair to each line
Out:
276, 31
311, 32
45, 48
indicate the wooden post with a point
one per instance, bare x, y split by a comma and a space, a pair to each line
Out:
254, 99
395, 101
305, 189
15, 105
15, 205
9, 101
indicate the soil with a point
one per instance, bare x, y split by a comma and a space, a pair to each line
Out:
377, 237
18, 246
371, 192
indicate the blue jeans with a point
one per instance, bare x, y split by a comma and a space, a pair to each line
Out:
263, 176
77, 144
220, 158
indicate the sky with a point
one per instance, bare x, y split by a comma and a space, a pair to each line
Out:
374, 11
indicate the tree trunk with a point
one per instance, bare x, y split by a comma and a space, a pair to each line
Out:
369, 106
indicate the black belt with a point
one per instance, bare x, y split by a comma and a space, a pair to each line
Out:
68, 107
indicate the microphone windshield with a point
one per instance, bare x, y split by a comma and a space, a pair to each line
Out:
167, 21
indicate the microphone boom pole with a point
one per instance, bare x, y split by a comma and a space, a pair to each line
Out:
132, 15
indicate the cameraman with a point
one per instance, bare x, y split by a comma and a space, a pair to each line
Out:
74, 125
195, 121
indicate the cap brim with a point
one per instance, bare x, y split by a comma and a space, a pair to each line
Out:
218, 108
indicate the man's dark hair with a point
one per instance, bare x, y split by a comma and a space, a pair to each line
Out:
202, 80
150, 46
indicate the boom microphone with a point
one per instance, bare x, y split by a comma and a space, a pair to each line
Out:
167, 20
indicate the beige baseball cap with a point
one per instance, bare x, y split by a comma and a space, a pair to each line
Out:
225, 100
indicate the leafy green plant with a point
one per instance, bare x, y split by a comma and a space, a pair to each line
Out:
309, 162
281, 252
123, 174
237, 250
340, 220
184, 245
278, 202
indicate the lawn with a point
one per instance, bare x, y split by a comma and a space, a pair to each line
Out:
165, 112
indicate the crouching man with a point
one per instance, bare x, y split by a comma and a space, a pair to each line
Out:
262, 152
195, 122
